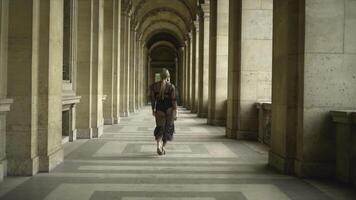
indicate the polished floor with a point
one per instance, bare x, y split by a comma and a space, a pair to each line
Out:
199, 165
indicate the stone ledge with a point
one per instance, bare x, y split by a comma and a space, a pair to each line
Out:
49, 162
267, 105
344, 123
281, 164
69, 100
344, 116
22, 166
314, 169
5, 104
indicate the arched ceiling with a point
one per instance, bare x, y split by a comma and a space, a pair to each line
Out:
163, 26
164, 13
150, 17
162, 38
163, 43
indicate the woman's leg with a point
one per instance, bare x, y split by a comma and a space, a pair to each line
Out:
169, 127
160, 124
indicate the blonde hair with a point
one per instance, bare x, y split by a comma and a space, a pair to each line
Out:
164, 76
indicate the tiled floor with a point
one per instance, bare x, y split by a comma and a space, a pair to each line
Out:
200, 165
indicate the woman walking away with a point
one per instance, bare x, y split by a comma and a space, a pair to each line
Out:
164, 108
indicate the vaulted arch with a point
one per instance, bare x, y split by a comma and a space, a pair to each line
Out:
141, 7
163, 26
164, 13
162, 43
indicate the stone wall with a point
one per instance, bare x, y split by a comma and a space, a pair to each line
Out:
250, 65
3, 85
218, 66
108, 65
327, 81
256, 62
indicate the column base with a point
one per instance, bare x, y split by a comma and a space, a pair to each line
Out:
124, 114
307, 169
73, 136
281, 164
109, 121
85, 133
98, 131
231, 133
217, 122
117, 119
48, 163
203, 115
3, 169
23, 166
247, 135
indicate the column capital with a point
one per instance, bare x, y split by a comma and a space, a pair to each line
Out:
129, 10
196, 24
200, 11
187, 37
186, 42
205, 9
126, 8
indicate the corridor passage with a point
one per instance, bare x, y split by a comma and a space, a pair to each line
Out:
200, 165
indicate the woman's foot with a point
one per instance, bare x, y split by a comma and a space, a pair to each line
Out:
159, 152
163, 151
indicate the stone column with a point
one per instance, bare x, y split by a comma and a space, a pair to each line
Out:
314, 46
219, 20
84, 66
4, 101
234, 68
124, 111
327, 82
140, 79
34, 138
199, 56
97, 70
180, 81
287, 52
145, 75
137, 71
50, 56
131, 66
125, 61
184, 77
188, 72
254, 73
149, 71
198, 62
204, 65
109, 67
90, 68
117, 60
232, 122
193, 70
176, 68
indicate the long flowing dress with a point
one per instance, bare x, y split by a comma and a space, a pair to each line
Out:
166, 109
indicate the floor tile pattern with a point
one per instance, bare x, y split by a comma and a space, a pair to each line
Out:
201, 164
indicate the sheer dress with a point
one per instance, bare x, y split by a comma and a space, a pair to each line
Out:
165, 110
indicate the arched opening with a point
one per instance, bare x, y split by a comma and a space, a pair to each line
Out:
162, 57
163, 52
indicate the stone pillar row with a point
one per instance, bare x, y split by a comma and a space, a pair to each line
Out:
5, 102
109, 68
34, 82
